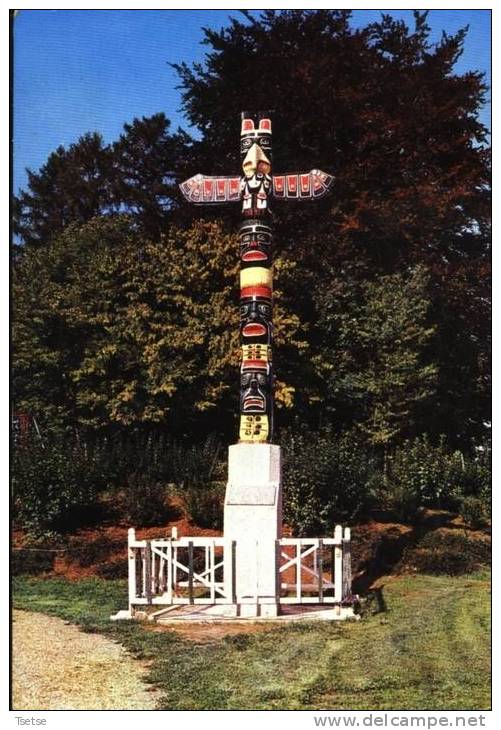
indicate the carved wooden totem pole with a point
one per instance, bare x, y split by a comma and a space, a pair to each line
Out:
253, 503
255, 188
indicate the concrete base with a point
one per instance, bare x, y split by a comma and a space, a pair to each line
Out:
253, 518
230, 614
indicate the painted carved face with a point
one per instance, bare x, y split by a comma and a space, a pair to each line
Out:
255, 150
255, 133
255, 244
255, 320
254, 392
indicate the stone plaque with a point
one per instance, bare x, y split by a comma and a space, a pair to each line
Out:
262, 495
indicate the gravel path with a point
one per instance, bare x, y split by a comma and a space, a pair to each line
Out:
55, 666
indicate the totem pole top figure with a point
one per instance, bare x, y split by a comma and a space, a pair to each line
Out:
255, 188
255, 147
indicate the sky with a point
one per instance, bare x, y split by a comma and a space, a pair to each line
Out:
78, 71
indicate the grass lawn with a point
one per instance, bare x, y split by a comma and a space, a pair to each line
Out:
422, 644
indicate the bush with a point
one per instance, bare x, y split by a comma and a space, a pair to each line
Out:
474, 511
202, 492
448, 551
144, 502
54, 486
30, 561
326, 480
419, 474
205, 504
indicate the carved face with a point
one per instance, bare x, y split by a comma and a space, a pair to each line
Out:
254, 392
255, 150
255, 244
256, 133
255, 320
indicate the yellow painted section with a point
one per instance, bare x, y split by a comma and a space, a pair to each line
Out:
256, 352
255, 276
254, 428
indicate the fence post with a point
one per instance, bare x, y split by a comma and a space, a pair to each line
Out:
233, 571
346, 563
147, 571
298, 570
338, 563
212, 569
190, 573
278, 582
320, 569
131, 537
169, 572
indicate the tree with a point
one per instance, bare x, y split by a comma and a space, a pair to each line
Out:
383, 109
379, 370
72, 187
112, 329
148, 164
138, 175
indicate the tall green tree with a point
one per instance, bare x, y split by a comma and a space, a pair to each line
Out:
72, 187
383, 109
112, 329
138, 174
381, 372
148, 163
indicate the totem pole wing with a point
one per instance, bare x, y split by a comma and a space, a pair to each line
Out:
301, 185
207, 190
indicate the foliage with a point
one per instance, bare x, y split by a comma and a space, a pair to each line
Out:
136, 174
420, 474
117, 330
379, 369
72, 187
148, 162
449, 552
475, 511
204, 504
417, 648
144, 501
55, 485
326, 480
198, 484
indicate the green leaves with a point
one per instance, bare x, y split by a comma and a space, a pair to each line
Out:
377, 359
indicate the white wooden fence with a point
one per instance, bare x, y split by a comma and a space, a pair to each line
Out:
201, 570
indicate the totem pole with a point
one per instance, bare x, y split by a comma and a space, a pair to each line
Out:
253, 502
254, 189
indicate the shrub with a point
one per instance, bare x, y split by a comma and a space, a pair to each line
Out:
419, 474
30, 561
144, 501
204, 504
54, 486
474, 511
448, 551
197, 470
326, 480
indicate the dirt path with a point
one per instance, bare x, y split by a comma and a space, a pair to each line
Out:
55, 666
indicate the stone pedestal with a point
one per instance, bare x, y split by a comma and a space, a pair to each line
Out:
253, 518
